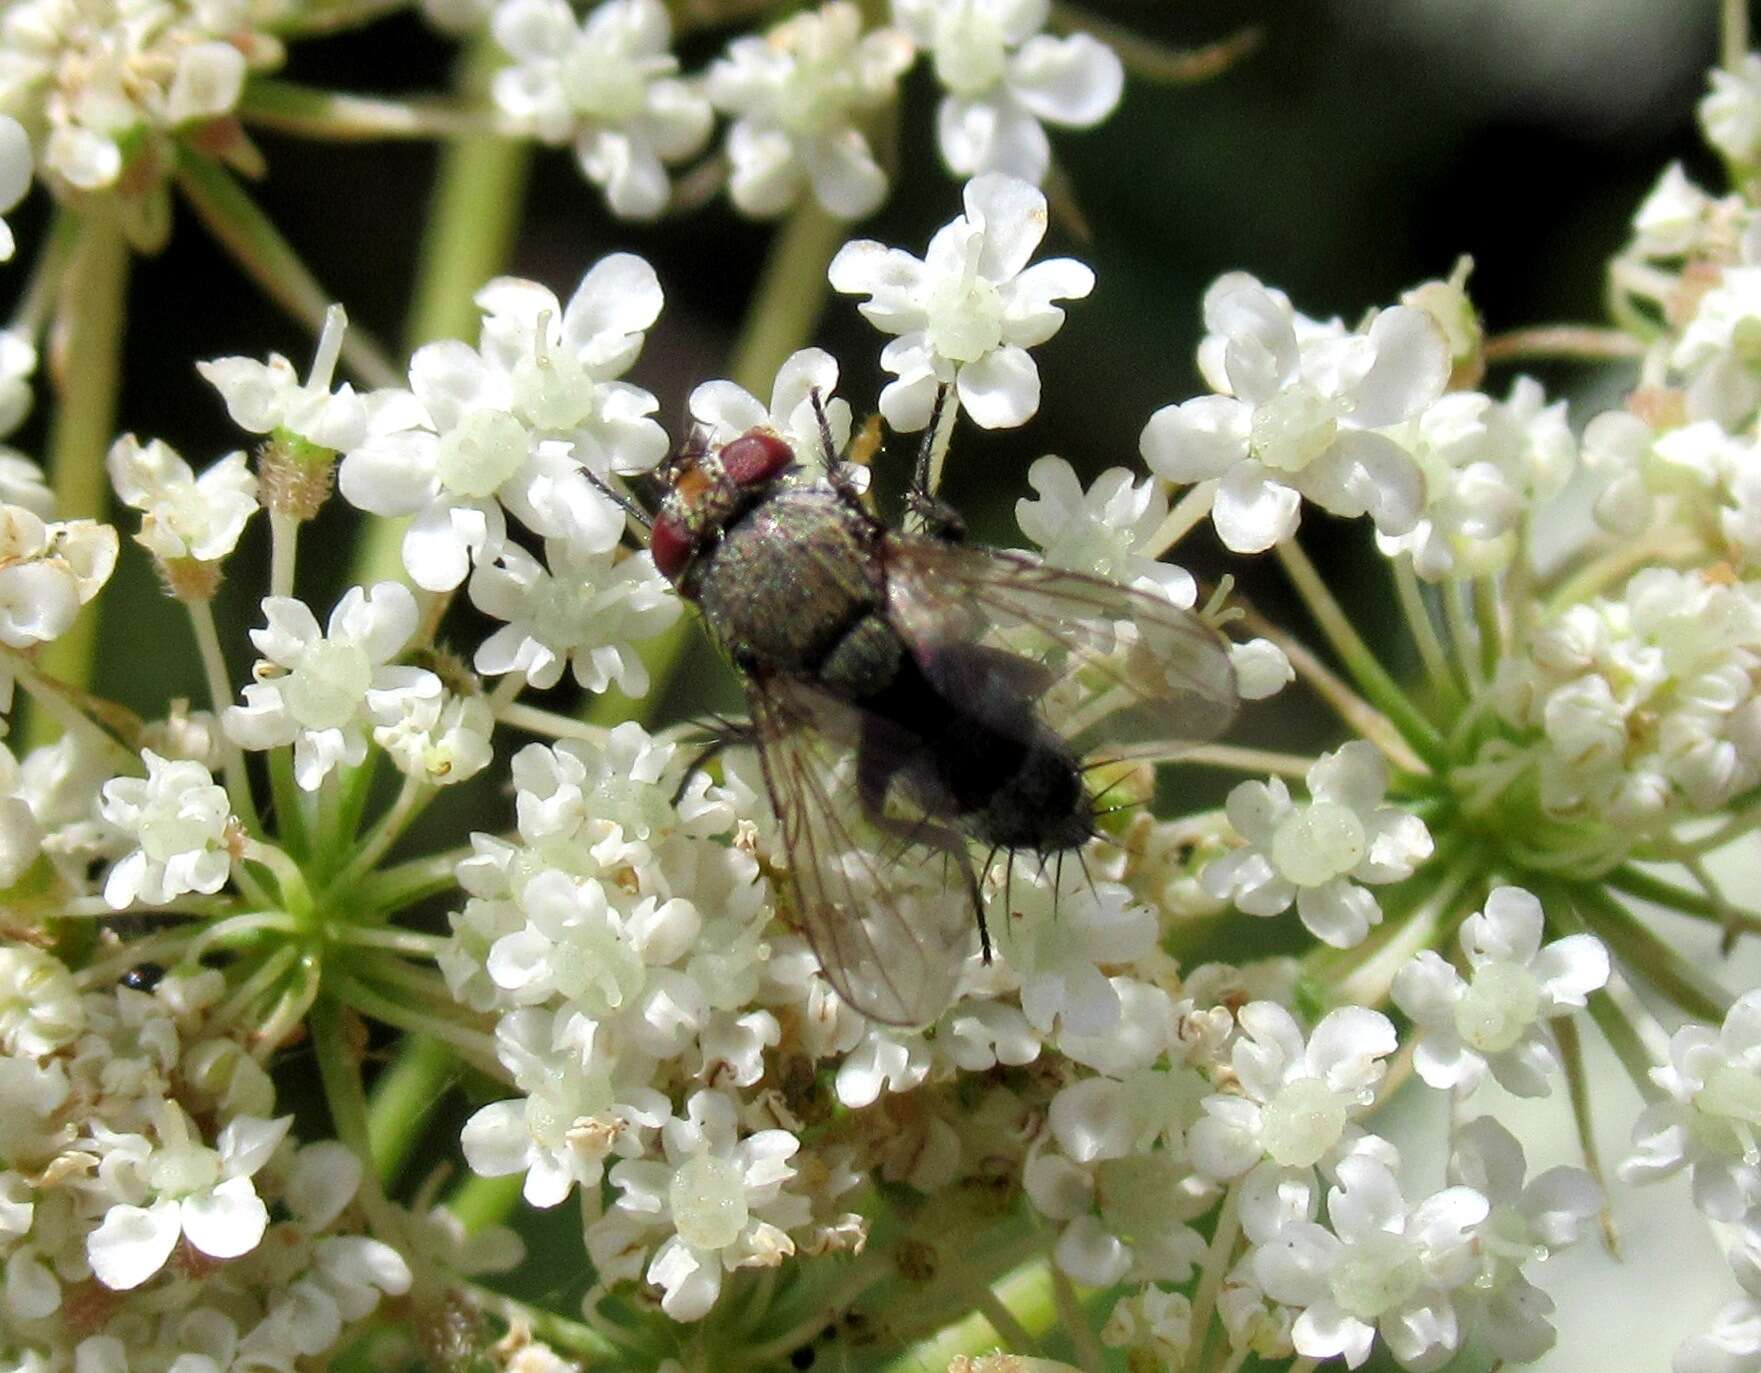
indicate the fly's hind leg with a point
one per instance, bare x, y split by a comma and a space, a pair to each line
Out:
876, 766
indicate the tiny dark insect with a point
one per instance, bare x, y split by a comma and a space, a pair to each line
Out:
902, 689
143, 977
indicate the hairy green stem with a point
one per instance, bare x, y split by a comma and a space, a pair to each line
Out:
85, 357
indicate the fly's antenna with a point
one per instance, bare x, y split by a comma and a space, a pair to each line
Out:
620, 499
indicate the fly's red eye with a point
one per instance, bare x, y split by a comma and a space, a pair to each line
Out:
755, 457
670, 546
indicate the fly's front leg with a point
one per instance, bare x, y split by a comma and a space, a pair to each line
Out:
719, 734
932, 515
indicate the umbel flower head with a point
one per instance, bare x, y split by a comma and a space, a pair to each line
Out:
430, 842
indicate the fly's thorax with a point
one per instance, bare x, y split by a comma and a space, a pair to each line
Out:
707, 491
789, 581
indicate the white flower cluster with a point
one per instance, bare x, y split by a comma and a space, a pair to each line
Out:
104, 86
1358, 422
1701, 1125
140, 1146
1133, 1154
1646, 704
534, 423
802, 99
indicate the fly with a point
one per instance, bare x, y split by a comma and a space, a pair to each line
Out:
910, 693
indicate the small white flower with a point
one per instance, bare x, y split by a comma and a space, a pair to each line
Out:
608, 85
265, 398
179, 817
584, 612
40, 1009
430, 733
719, 1195
1154, 1324
15, 176
967, 313
1497, 1019
1733, 1344
515, 424
18, 364
1528, 1222
1731, 112
727, 411
1485, 463
1706, 1121
1298, 414
1295, 1099
183, 516
796, 95
47, 572
1713, 354
1316, 854
1384, 1267
313, 686
1003, 77
203, 1194
571, 1118
1100, 531
1056, 939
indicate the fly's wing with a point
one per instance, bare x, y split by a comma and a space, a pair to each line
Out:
891, 929
1124, 670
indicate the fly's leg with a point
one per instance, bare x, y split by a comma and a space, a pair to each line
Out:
875, 770
720, 733
934, 516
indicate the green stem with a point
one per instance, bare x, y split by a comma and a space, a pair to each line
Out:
85, 356
412, 799
290, 805
270, 260
404, 884
335, 116
37, 302
1027, 1293
785, 309
341, 1076
1371, 677
402, 1098
1733, 35
1424, 633
238, 782
1636, 882
1218, 1256
479, 1202
571, 1337
1648, 957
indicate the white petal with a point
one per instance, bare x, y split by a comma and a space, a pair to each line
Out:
1365, 473
1197, 440
133, 1243
1013, 214
226, 1221
618, 299
845, 177
1075, 81
992, 133
1000, 390
1253, 510
1410, 371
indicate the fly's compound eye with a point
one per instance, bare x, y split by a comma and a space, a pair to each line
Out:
670, 545
755, 457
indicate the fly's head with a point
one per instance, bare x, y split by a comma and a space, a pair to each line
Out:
707, 489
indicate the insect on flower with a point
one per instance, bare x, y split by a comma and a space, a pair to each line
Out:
912, 695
